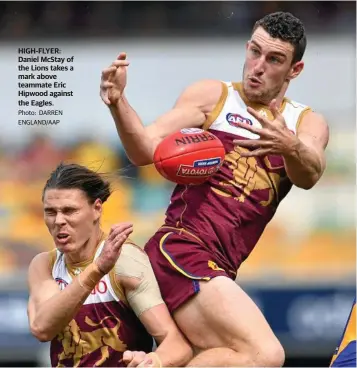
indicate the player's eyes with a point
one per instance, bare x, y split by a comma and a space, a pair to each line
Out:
50, 213
68, 211
274, 60
65, 211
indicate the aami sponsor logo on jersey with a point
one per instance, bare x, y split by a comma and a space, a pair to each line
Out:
204, 167
233, 119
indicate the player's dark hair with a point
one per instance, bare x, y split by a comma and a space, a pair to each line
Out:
73, 176
287, 28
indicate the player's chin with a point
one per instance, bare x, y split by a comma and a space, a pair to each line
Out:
254, 95
64, 246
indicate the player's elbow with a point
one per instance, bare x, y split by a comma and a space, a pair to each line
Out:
184, 354
175, 350
187, 355
181, 357
142, 157
140, 160
305, 185
308, 182
40, 333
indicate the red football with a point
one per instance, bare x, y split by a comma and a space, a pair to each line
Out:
189, 156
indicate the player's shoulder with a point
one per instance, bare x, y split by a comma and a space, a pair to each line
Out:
308, 111
205, 92
44, 259
315, 119
130, 250
305, 111
307, 117
131, 264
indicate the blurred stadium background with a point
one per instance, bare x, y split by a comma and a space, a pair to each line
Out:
302, 273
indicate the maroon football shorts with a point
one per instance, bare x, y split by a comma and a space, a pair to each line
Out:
180, 260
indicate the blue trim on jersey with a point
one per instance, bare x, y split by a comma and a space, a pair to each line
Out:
346, 325
347, 357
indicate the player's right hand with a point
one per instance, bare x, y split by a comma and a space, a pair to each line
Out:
112, 247
113, 80
137, 359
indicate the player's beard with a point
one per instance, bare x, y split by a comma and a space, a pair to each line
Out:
263, 96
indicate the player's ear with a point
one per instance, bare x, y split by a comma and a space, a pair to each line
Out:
296, 69
247, 44
97, 209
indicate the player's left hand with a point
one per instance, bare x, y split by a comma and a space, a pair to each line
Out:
275, 137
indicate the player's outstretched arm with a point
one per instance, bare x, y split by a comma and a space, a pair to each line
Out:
50, 309
135, 274
191, 110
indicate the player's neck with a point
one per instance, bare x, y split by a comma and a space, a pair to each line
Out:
86, 253
281, 95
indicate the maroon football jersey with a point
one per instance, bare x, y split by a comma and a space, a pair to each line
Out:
230, 211
103, 328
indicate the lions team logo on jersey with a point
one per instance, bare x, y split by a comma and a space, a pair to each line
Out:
233, 119
263, 113
62, 283
204, 167
191, 130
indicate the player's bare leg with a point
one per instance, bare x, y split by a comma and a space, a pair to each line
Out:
229, 329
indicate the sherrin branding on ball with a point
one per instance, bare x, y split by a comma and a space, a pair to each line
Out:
189, 156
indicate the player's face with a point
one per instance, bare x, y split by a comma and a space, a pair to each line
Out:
268, 67
70, 218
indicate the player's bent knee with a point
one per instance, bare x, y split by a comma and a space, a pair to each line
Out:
266, 352
270, 355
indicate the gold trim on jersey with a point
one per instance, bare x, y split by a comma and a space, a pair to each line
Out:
81, 266
52, 256
238, 86
302, 114
348, 336
185, 207
181, 230
75, 268
217, 109
116, 286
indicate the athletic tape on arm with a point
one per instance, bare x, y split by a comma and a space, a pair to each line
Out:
133, 262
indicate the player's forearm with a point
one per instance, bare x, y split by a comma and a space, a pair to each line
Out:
55, 313
303, 165
174, 351
132, 133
